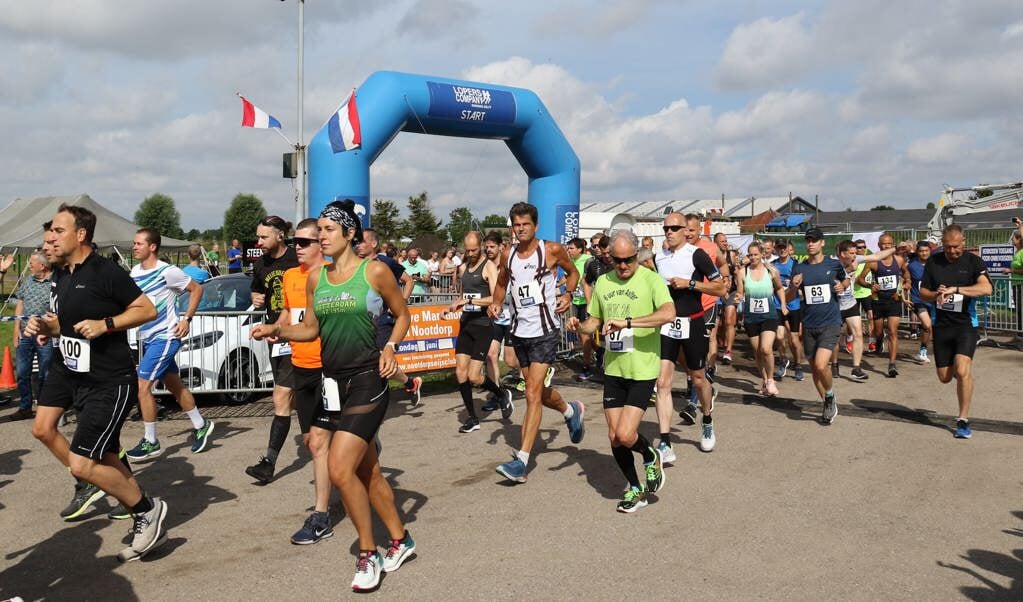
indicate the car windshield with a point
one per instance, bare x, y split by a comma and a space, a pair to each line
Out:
221, 294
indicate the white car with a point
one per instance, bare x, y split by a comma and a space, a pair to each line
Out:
218, 353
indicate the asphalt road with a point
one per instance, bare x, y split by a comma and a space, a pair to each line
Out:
884, 504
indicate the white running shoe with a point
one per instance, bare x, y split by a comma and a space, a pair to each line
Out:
367, 572
708, 440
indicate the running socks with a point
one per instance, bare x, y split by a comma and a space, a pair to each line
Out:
143, 505
708, 419
523, 455
569, 411
465, 388
666, 437
150, 431
278, 434
491, 386
623, 457
642, 447
196, 418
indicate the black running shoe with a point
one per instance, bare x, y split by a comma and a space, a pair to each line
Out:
262, 471
507, 405
86, 494
470, 425
859, 374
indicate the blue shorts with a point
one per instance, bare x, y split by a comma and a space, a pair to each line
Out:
158, 358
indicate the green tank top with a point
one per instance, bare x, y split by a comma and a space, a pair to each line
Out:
862, 292
348, 314
759, 303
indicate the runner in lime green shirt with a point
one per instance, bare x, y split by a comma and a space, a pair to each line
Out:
633, 303
577, 253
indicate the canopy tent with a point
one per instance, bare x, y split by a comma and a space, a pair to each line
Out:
791, 220
21, 224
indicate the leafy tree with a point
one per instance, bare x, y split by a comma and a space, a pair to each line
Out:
158, 211
242, 217
494, 221
462, 220
883, 208
984, 193
193, 235
931, 205
421, 218
386, 220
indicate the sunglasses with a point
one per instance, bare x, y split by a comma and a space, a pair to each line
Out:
305, 242
625, 260
672, 228
858, 248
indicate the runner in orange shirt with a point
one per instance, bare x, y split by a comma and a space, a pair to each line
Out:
308, 379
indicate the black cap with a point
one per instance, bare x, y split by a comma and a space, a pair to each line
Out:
814, 234
922, 243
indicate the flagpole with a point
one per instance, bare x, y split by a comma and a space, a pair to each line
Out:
300, 181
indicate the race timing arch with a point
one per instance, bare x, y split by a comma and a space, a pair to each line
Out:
390, 102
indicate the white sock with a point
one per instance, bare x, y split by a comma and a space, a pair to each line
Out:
196, 418
524, 456
150, 431
569, 410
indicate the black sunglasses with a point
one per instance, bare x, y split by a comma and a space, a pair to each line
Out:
673, 228
625, 260
859, 248
305, 242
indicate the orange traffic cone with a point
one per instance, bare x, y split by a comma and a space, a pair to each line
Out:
7, 374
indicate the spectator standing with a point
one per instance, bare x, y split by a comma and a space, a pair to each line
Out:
234, 257
192, 269
33, 296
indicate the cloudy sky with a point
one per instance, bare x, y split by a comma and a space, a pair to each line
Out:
859, 102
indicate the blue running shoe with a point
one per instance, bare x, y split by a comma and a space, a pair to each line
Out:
316, 527
491, 403
144, 450
576, 428
513, 470
783, 366
201, 436
963, 429
798, 375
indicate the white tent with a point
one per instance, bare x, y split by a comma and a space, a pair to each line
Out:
21, 224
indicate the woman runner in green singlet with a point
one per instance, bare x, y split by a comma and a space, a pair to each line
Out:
345, 298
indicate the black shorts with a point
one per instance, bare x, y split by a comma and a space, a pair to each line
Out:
501, 334
385, 326
925, 308
364, 399
620, 392
867, 303
852, 312
793, 320
950, 341
284, 375
308, 388
887, 309
580, 312
57, 391
101, 413
710, 318
474, 338
731, 299
537, 350
694, 349
825, 337
754, 329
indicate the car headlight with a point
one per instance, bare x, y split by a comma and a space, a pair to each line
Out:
200, 341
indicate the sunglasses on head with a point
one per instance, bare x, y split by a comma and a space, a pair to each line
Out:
305, 242
625, 260
672, 228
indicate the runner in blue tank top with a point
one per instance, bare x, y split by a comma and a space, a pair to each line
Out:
924, 310
890, 286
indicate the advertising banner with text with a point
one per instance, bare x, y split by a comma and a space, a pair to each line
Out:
430, 343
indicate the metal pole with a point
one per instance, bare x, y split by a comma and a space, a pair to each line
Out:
301, 203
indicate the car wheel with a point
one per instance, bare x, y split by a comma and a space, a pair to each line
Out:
238, 372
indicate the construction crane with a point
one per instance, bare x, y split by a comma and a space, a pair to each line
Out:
1005, 196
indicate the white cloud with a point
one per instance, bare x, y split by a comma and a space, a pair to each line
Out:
943, 148
766, 52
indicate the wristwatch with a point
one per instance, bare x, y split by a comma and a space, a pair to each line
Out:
628, 322
110, 323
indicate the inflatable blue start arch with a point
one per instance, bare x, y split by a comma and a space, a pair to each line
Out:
390, 102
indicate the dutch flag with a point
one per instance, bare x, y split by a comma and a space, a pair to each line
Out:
343, 127
254, 117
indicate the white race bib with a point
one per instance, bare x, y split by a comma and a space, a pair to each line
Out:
279, 349
758, 305
297, 315
578, 293
888, 283
470, 306
526, 295
76, 354
952, 303
817, 294
331, 395
677, 328
621, 341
